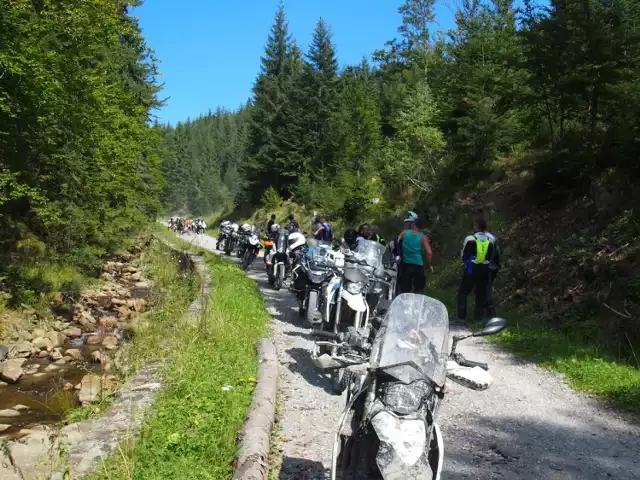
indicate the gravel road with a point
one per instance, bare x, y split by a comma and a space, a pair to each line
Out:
529, 425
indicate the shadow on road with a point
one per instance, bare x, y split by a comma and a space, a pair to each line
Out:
302, 469
305, 367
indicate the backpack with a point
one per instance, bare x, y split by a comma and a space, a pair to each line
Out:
482, 249
327, 233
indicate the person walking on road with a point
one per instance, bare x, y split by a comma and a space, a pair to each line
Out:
477, 252
415, 252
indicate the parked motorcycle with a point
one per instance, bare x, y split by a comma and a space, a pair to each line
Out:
279, 261
233, 240
251, 250
224, 235
389, 428
351, 298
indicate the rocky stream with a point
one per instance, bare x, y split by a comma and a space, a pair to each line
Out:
54, 367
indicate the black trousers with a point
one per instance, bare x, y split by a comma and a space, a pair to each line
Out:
490, 309
478, 280
411, 278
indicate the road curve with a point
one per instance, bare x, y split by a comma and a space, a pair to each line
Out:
529, 425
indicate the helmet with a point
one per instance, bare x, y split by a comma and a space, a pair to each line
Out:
234, 227
275, 227
350, 236
296, 240
245, 227
254, 240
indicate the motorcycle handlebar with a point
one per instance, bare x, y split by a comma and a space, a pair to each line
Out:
325, 334
471, 363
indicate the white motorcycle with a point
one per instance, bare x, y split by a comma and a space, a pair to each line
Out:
389, 428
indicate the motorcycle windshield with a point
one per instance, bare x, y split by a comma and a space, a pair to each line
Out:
416, 339
317, 252
371, 252
281, 242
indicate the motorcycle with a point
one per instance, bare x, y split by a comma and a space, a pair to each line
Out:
278, 263
233, 240
351, 298
251, 250
388, 429
309, 274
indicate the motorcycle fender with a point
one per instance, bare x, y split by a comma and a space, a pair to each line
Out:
403, 446
355, 302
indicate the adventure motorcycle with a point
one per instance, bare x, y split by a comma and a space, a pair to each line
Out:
251, 250
232, 241
278, 262
244, 233
223, 236
388, 429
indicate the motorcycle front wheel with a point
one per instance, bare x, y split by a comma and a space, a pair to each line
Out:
278, 280
340, 380
312, 306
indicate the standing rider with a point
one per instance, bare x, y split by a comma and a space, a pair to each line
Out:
324, 232
477, 253
293, 225
415, 250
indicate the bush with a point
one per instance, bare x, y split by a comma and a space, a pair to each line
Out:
270, 199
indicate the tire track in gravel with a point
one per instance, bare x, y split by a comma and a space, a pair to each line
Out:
529, 425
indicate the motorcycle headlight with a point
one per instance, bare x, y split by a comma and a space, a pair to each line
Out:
355, 288
405, 399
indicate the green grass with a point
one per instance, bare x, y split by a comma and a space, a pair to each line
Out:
210, 376
570, 351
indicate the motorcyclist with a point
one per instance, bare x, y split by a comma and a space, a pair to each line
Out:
270, 240
350, 238
415, 250
324, 232
376, 237
477, 253
364, 232
293, 226
270, 223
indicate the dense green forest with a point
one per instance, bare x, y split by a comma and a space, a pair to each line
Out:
80, 169
555, 87
530, 113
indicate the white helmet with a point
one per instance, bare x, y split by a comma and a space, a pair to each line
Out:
296, 240
254, 240
225, 223
275, 227
245, 227
234, 227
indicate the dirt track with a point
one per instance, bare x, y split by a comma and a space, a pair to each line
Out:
529, 425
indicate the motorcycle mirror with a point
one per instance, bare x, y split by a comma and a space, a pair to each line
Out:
492, 327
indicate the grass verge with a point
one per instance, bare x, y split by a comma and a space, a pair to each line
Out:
210, 370
569, 351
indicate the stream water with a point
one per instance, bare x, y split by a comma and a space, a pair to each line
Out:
41, 392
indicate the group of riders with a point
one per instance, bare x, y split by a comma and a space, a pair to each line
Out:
184, 225
410, 253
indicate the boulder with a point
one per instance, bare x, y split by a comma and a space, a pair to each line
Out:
12, 370
39, 332
43, 354
51, 368
59, 325
98, 357
141, 290
137, 304
7, 471
118, 302
74, 353
3, 427
87, 320
90, 388
3, 384
72, 332
110, 341
93, 339
21, 408
32, 455
106, 276
61, 361
31, 369
21, 349
124, 312
9, 413
43, 343
130, 269
107, 322
57, 338
135, 277
4, 351
103, 300
55, 355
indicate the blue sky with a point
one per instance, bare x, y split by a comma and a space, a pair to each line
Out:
210, 49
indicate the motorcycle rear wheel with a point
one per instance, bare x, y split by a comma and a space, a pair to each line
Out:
277, 281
